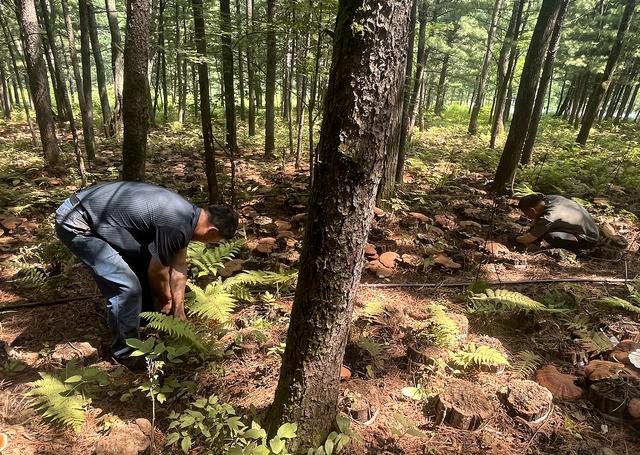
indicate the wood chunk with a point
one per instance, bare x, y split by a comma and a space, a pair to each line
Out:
283, 225
266, 245
561, 386
446, 261
445, 221
379, 269
80, 351
413, 217
622, 350
496, 248
378, 212
473, 212
412, 260
598, 370
434, 232
12, 222
359, 410
249, 212
370, 251
463, 405
261, 220
299, 218
286, 235
299, 207
345, 373
231, 267
633, 408
388, 259
470, 225
528, 400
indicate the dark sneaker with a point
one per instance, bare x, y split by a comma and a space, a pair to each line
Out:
133, 363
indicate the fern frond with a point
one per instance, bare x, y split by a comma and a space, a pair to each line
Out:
479, 356
58, 401
33, 277
173, 327
258, 277
371, 309
209, 260
212, 302
594, 342
525, 364
240, 292
505, 300
441, 329
617, 302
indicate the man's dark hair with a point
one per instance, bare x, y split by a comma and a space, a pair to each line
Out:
530, 201
223, 218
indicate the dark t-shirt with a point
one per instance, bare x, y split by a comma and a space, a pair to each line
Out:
564, 215
139, 219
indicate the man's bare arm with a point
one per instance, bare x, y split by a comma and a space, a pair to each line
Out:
178, 281
160, 285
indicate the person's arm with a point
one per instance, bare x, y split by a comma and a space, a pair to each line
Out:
178, 282
160, 285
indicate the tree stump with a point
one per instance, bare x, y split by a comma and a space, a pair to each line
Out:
611, 396
463, 405
528, 400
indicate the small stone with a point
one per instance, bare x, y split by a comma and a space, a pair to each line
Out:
231, 267
126, 439
81, 351
283, 225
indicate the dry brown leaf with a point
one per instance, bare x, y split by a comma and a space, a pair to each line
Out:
445, 221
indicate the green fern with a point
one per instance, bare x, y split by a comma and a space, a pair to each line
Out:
174, 327
209, 261
59, 401
617, 302
479, 356
594, 342
260, 278
525, 364
502, 300
371, 309
212, 302
441, 329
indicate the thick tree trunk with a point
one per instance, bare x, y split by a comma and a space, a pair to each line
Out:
8, 37
205, 102
270, 114
484, 72
505, 68
38, 80
135, 107
107, 119
367, 69
526, 94
601, 87
226, 49
117, 60
251, 79
543, 86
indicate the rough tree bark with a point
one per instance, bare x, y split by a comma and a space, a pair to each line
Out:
205, 102
135, 107
251, 80
526, 94
270, 114
507, 54
107, 119
239, 51
367, 69
117, 60
484, 72
543, 86
6, 101
600, 88
226, 51
38, 80
85, 57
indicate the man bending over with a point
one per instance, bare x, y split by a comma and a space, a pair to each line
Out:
561, 222
134, 236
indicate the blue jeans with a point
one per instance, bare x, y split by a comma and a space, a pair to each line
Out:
114, 276
568, 241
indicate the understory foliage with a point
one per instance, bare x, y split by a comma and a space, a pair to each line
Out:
477, 356
504, 301
525, 364
441, 330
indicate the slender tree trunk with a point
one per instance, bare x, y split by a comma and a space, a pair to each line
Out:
240, 63
314, 91
526, 94
628, 88
135, 106
205, 103
8, 37
226, 48
85, 55
270, 114
38, 80
180, 84
505, 69
301, 91
601, 87
366, 71
632, 102
251, 79
442, 80
582, 101
543, 86
484, 72
615, 99
117, 60
6, 103
107, 119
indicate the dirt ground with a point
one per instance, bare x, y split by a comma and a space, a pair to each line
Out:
460, 237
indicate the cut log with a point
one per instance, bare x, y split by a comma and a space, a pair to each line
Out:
283, 225
462, 405
359, 410
379, 269
370, 251
266, 245
378, 212
528, 400
561, 386
412, 260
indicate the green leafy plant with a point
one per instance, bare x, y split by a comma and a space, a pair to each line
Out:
617, 302
376, 353
479, 356
405, 427
418, 392
594, 342
174, 327
504, 301
208, 261
525, 364
60, 400
440, 330
371, 310
337, 440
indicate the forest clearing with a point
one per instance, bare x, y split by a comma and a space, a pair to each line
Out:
376, 295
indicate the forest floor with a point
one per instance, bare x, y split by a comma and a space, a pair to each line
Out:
445, 228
